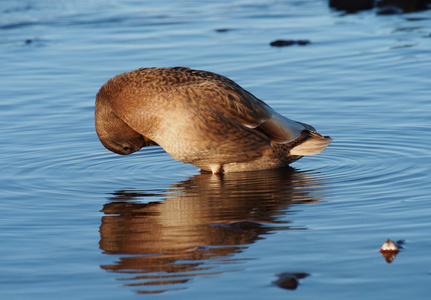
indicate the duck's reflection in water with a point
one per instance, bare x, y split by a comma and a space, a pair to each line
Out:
197, 225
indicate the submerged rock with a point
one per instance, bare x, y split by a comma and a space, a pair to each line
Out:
289, 281
283, 43
222, 30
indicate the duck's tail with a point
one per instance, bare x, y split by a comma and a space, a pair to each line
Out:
314, 144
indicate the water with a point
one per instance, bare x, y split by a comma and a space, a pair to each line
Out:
79, 222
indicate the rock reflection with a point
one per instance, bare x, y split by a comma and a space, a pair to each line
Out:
196, 226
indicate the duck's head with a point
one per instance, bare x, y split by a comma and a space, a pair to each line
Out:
118, 137
115, 134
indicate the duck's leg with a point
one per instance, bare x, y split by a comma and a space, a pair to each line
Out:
217, 169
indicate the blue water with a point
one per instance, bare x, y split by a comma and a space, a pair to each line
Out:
79, 222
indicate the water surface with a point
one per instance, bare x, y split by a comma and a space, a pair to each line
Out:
79, 222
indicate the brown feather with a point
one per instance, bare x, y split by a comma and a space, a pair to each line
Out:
199, 117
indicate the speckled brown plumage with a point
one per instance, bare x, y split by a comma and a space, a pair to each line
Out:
201, 118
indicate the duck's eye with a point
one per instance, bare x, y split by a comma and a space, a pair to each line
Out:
125, 148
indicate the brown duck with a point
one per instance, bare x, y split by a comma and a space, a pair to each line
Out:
201, 118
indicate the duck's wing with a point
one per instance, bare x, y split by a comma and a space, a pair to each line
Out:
229, 98
233, 100
222, 94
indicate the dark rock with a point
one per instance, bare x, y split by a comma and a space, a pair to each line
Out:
387, 7
288, 280
351, 6
284, 43
400, 244
222, 30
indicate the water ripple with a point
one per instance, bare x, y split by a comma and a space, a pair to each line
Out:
376, 161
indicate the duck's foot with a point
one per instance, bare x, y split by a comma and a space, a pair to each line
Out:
217, 169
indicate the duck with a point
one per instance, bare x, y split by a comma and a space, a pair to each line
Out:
201, 118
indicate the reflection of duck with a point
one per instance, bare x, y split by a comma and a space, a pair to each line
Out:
205, 217
200, 118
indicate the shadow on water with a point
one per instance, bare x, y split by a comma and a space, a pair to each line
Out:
196, 227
